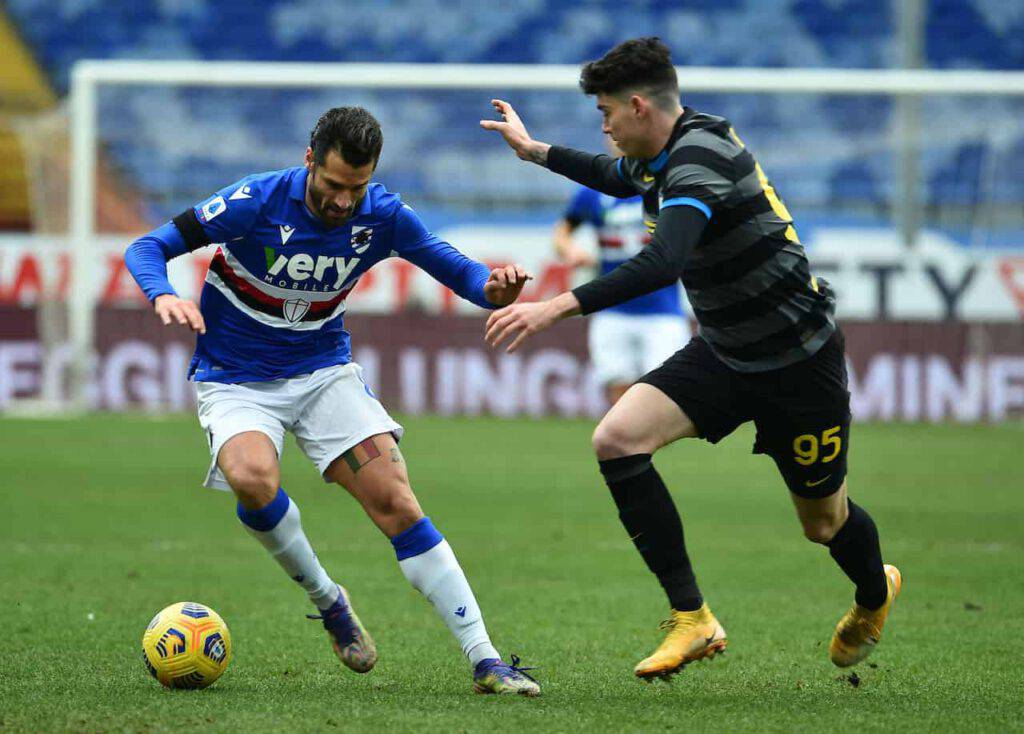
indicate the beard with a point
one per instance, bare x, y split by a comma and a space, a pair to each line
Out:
327, 211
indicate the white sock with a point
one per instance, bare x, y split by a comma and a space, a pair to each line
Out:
278, 527
437, 575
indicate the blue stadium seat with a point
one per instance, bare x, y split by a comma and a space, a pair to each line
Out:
220, 135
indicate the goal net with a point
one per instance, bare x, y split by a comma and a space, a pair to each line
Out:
894, 164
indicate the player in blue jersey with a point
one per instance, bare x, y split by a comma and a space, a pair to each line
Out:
272, 355
630, 339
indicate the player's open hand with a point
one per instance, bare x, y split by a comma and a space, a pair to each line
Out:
519, 321
515, 134
171, 308
505, 284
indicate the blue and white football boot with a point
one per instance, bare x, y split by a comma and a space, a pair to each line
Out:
496, 676
350, 640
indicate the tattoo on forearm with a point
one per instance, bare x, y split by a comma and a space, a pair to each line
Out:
361, 454
396, 455
539, 155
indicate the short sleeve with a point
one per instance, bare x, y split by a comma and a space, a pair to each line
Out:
231, 212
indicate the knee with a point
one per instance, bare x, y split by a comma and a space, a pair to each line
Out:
396, 513
613, 440
396, 505
255, 479
402, 508
822, 529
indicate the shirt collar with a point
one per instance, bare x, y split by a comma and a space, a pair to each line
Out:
365, 206
658, 162
298, 188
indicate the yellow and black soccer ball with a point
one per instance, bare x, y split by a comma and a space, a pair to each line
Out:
187, 645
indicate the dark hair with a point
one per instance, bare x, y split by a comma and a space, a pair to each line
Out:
642, 64
351, 132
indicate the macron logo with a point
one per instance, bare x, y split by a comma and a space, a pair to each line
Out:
286, 233
243, 192
460, 612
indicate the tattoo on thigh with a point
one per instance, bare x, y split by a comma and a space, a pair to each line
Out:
361, 454
396, 455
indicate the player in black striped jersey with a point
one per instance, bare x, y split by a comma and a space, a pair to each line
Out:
768, 349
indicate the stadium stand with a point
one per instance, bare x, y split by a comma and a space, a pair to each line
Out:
844, 157
24, 91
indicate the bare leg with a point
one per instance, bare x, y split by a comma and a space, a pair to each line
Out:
374, 473
641, 422
249, 462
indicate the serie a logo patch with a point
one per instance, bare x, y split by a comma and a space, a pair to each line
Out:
213, 208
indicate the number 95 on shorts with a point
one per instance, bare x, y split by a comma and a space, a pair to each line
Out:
811, 453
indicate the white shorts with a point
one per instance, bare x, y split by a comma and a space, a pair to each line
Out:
329, 411
624, 347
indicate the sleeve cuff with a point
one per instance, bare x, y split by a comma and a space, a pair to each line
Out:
478, 290
168, 291
582, 295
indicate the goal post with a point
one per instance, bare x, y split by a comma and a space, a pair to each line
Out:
89, 77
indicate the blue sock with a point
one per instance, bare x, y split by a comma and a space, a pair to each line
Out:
266, 518
420, 537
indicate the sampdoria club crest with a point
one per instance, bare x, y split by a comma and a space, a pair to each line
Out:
295, 309
361, 238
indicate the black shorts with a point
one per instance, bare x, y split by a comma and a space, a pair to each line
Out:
802, 412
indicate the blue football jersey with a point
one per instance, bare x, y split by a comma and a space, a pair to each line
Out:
621, 234
274, 296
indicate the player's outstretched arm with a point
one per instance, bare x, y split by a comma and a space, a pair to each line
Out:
146, 259
522, 320
504, 284
468, 278
514, 131
221, 218
599, 172
658, 265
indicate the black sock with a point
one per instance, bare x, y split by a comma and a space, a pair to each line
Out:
650, 517
855, 548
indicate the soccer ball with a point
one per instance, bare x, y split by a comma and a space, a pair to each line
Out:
187, 645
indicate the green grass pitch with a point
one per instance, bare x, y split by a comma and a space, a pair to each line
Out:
104, 523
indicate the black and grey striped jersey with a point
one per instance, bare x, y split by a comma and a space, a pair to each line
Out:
746, 274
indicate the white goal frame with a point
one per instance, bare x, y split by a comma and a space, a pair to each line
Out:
87, 76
